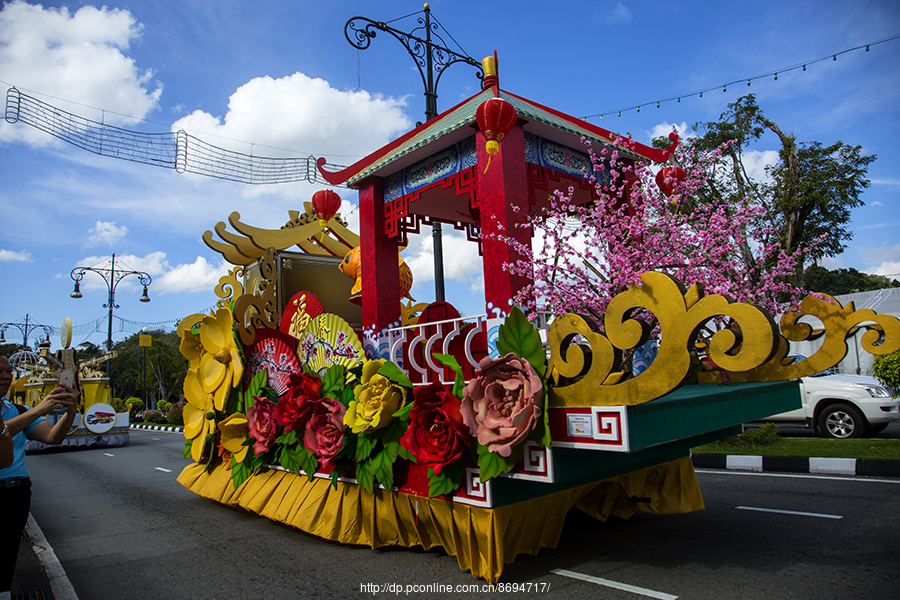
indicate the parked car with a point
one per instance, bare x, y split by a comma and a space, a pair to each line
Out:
842, 406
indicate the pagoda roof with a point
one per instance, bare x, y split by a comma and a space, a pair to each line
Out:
458, 123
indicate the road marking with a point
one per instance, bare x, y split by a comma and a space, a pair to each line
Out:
108, 454
59, 582
615, 585
163, 470
789, 512
798, 476
157, 439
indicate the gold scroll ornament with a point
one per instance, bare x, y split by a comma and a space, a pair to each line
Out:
599, 377
882, 337
260, 311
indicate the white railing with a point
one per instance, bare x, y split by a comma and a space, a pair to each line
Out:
437, 337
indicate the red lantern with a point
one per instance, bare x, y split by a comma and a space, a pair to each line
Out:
674, 175
496, 118
326, 204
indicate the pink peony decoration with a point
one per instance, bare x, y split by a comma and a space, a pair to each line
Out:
501, 406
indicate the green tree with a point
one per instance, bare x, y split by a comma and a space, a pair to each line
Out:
887, 371
844, 281
813, 187
164, 369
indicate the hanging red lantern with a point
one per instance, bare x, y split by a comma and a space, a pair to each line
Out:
673, 175
326, 204
496, 118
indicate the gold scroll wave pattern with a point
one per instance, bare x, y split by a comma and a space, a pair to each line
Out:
681, 314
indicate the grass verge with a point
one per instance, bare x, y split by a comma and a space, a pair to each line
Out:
767, 443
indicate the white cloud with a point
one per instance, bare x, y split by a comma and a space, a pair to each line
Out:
106, 233
885, 181
881, 254
199, 276
13, 256
80, 57
831, 263
877, 203
755, 162
461, 261
889, 269
615, 15
665, 128
303, 114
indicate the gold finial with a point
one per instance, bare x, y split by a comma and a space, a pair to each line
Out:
427, 7
489, 64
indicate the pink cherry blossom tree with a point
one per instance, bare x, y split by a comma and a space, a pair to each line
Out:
583, 255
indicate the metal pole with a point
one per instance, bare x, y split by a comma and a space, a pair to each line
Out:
362, 37
143, 382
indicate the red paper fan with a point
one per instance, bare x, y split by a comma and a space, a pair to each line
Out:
298, 312
276, 352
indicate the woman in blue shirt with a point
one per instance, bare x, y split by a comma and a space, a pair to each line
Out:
15, 483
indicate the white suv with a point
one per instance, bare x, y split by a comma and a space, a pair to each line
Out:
843, 406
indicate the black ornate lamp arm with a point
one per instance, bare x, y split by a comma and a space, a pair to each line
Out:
431, 59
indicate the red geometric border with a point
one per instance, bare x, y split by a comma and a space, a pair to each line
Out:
543, 179
395, 211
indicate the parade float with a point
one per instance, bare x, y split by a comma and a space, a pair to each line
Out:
329, 403
97, 423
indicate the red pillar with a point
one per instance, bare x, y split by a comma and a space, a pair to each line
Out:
502, 189
378, 262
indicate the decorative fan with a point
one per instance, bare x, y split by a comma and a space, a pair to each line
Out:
274, 351
329, 340
298, 312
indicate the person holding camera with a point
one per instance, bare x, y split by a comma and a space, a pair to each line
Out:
19, 423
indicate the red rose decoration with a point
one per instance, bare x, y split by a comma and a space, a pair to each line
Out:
436, 436
325, 430
293, 409
262, 424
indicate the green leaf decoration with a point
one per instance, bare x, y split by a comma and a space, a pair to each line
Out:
365, 443
403, 413
334, 478
448, 481
391, 438
187, 448
491, 464
256, 463
308, 462
365, 476
346, 396
519, 337
545, 439
333, 381
459, 384
287, 458
239, 473
407, 455
393, 372
383, 467
289, 438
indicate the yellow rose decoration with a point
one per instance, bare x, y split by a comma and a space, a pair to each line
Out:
235, 432
221, 367
377, 399
199, 418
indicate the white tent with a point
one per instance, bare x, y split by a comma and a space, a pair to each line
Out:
857, 361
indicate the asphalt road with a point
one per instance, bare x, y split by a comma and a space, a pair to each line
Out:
122, 527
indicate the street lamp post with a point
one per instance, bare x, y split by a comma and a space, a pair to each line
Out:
112, 276
432, 60
25, 329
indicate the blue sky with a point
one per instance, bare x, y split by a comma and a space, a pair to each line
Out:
281, 77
